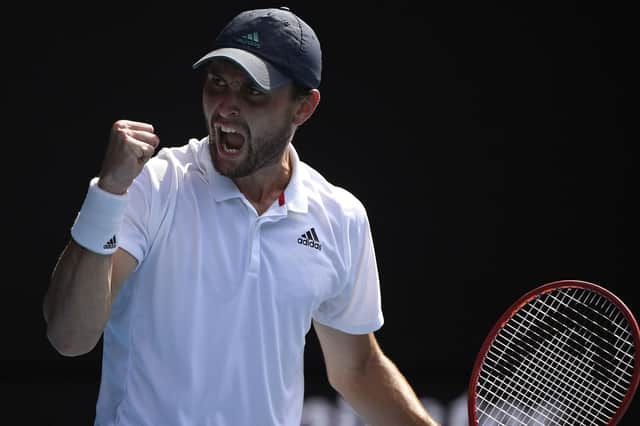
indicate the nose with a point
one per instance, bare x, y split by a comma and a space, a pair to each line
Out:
228, 106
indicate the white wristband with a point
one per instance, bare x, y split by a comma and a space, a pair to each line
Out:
98, 222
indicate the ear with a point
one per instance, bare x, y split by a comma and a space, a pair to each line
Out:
306, 107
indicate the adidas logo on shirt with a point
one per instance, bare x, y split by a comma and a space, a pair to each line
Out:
310, 239
110, 244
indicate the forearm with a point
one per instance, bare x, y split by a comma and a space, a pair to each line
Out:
78, 301
381, 395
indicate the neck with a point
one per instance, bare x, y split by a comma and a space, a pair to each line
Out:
263, 187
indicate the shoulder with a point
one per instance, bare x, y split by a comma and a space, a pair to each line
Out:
174, 162
337, 201
186, 157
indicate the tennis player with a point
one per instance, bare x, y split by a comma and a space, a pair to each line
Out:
204, 266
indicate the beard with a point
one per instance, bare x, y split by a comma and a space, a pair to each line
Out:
261, 151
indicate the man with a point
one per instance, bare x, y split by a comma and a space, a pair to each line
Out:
205, 266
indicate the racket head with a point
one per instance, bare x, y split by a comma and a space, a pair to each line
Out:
631, 368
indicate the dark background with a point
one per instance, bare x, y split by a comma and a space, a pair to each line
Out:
489, 141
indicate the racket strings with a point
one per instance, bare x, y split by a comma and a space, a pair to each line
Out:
556, 345
586, 362
608, 364
550, 379
566, 357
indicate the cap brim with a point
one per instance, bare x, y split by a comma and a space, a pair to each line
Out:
261, 71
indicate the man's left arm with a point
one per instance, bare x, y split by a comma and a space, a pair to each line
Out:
368, 380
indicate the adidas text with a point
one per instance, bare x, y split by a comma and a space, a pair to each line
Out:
309, 243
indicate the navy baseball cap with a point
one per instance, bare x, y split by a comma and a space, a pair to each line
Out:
274, 46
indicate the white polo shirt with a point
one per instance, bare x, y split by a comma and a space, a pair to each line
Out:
210, 328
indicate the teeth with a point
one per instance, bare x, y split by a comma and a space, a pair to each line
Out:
226, 148
223, 145
227, 129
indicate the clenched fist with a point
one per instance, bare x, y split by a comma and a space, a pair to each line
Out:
131, 145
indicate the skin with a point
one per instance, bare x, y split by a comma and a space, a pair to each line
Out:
84, 284
265, 123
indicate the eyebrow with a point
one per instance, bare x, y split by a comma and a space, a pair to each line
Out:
247, 82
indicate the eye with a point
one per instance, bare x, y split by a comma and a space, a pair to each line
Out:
255, 91
215, 79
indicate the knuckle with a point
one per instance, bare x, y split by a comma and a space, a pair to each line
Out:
126, 138
120, 125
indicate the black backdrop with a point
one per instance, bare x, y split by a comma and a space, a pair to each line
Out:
490, 143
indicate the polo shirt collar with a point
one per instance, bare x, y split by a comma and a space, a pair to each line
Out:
295, 198
223, 187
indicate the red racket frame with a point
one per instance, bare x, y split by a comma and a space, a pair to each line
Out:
546, 288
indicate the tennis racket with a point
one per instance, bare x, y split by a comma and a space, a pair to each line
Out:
565, 353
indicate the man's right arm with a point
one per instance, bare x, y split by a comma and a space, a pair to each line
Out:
84, 282
78, 301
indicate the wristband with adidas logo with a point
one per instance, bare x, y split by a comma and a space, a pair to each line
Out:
98, 222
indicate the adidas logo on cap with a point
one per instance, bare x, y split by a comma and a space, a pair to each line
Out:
251, 39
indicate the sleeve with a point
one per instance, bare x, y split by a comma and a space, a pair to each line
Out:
357, 308
135, 236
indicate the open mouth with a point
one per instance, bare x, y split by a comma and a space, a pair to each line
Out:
230, 140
